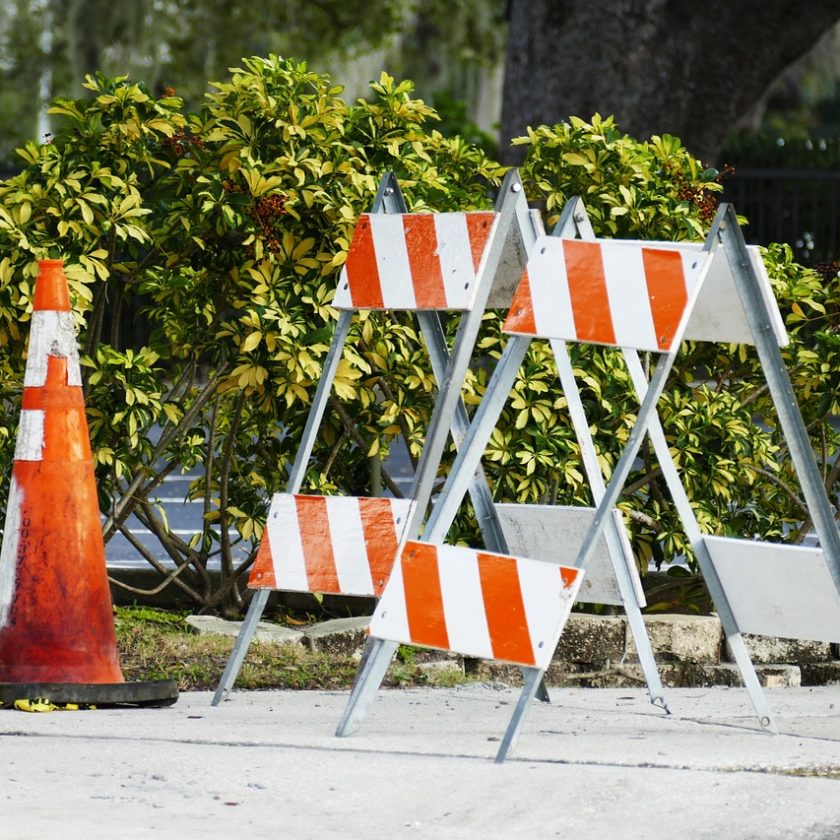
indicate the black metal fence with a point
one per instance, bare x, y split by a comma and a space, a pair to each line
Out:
797, 206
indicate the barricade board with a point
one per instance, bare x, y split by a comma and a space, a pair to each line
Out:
634, 293
554, 533
414, 261
604, 292
479, 604
330, 544
777, 590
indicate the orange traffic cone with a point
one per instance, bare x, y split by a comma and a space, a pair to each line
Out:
56, 622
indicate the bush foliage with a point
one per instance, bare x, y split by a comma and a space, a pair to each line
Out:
226, 229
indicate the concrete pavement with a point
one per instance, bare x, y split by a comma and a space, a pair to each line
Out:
595, 763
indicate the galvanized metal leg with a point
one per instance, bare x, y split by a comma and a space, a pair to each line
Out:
647, 409
733, 635
615, 544
647, 660
751, 682
633, 613
319, 402
469, 457
316, 412
704, 561
375, 661
784, 399
625, 461
240, 648
479, 490
511, 198
533, 678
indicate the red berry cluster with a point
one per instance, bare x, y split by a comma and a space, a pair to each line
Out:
182, 142
705, 202
266, 211
828, 271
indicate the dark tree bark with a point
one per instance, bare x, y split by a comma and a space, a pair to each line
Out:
692, 69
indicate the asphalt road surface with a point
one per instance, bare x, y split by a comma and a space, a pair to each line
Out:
594, 764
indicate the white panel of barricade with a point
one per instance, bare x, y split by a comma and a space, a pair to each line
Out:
555, 533
777, 590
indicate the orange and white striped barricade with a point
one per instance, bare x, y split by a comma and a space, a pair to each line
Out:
540, 532
651, 296
420, 262
553, 531
330, 544
479, 604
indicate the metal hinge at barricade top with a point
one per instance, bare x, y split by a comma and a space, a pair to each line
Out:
419, 262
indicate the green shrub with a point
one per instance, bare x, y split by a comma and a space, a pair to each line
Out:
230, 224
229, 227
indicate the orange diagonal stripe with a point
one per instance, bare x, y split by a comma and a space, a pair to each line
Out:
423, 599
520, 317
588, 292
380, 539
568, 575
316, 541
666, 291
421, 246
262, 574
362, 271
478, 228
506, 619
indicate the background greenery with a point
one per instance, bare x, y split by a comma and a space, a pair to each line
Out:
446, 48
454, 52
227, 226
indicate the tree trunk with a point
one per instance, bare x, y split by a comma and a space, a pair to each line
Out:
660, 66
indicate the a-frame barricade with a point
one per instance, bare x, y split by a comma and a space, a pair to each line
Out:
419, 262
442, 608
554, 532
650, 296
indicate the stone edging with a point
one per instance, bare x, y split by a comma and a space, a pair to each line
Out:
596, 651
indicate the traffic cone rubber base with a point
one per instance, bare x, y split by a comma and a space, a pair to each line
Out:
157, 693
